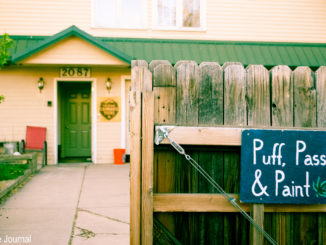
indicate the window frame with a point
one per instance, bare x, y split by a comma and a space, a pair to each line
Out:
118, 26
179, 18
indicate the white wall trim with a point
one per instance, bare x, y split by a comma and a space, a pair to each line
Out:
123, 111
93, 116
55, 118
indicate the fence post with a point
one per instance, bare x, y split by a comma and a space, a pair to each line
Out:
147, 167
147, 159
138, 72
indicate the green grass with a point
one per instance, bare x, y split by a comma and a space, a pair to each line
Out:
12, 171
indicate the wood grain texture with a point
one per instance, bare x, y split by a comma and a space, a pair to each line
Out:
187, 114
235, 114
155, 63
321, 96
200, 202
141, 80
164, 79
282, 96
235, 111
321, 122
258, 96
193, 203
135, 171
147, 167
304, 116
205, 136
210, 94
258, 107
282, 116
164, 82
257, 213
139, 63
304, 97
187, 93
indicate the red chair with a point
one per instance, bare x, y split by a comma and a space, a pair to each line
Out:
36, 142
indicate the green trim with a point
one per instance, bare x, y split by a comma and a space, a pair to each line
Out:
23, 37
217, 42
183, 41
267, 53
71, 31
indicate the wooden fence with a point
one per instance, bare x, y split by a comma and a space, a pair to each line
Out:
217, 102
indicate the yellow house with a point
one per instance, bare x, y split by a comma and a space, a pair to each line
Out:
83, 50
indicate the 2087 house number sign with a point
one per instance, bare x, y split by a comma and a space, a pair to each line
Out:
283, 166
75, 72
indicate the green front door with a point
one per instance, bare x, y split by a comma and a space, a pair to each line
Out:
76, 120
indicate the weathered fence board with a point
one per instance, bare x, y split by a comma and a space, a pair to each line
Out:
321, 96
304, 97
234, 95
210, 113
164, 81
282, 96
304, 116
187, 114
228, 96
258, 106
142, 81
282, 116
321, 122
147, 167
210, 97
187, 93
164, 86
235, 114
258, 96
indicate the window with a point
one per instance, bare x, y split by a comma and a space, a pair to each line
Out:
178, 14
119, 13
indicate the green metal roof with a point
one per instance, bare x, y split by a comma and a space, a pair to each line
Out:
127, 49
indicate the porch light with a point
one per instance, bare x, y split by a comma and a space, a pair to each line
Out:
108, 84
40, 84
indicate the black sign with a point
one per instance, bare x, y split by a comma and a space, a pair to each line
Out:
283, 166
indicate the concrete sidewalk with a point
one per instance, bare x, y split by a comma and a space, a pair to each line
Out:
69, 204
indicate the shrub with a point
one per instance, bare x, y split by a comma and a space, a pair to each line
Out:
12, 171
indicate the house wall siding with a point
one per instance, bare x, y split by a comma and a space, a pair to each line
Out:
68, 51
25, 105
245, 20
